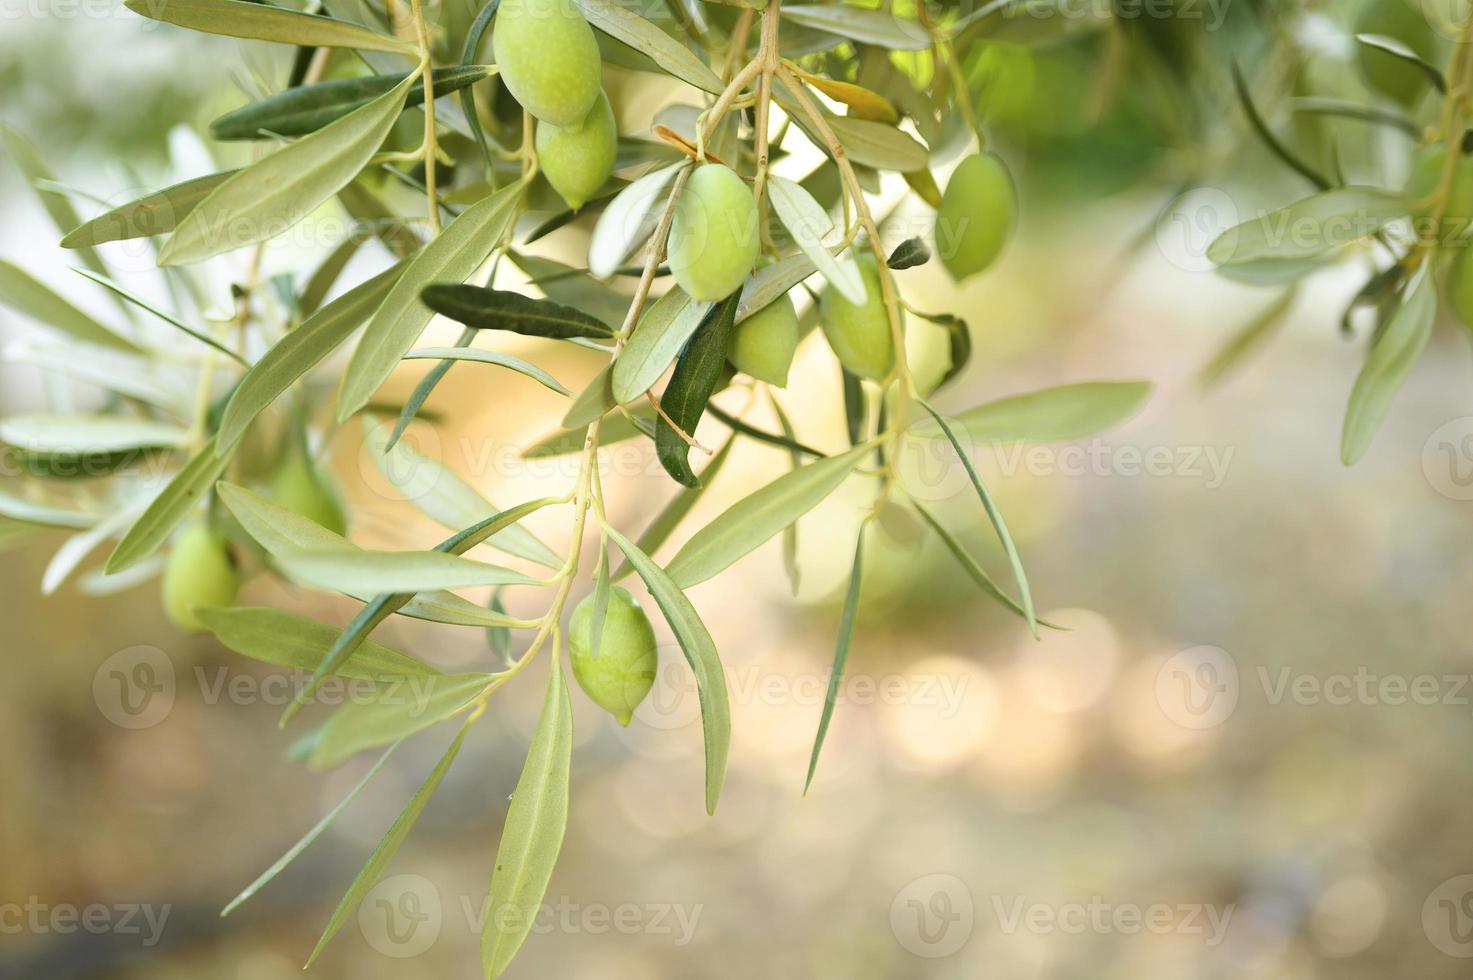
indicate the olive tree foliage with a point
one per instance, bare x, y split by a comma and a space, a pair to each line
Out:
457, 136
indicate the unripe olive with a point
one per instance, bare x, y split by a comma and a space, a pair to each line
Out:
1460, 285
859, 335
299, 487
199, 572
1457, 220
762, 345
548, 59
1384, 72
976, 215
621, 672
576, 162
713, 240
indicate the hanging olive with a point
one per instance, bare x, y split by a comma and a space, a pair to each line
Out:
576, 162
763, 344
299, 486
548, 59
976, 215
621, 672
859, 334
199, 572
713, 240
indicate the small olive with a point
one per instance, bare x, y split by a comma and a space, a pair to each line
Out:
976, 215
199, 572
621, 672
1385, 72
860, 334
762, 345
298, 486
548, 59
713, 240
576, 162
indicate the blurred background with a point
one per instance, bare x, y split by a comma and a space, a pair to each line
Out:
1247, 757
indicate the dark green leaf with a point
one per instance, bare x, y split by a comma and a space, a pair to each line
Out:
497, 309
262, 22
909, 254
1387, 363
841, 655
690, 387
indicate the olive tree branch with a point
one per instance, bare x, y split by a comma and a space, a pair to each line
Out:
429, 147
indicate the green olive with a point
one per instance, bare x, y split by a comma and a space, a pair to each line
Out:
576, 162
548, 59
762, 345
1460, 285
619, 675
1457, 220
713, 240
199, 572
1384, 72
976, 215
298, 486
860, 335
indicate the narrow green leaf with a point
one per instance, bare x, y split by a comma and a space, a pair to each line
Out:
171, 506
389, 846
863, 24
973, 569
27, 296
395, 711
601, 591
533, 833
841, 656
453, 256
629, 219
767, 284
498, 309
627, 26
326, 275
807, 222
574, 287
82, 435
301, 350
152, 214
44, 513
148, 307
270, 196
109, 368
616, 428
468, 53
287, 639
378, 572
700, 651
1060, 414
296, 849
1311, 227
874, 144
498, 638
594, 401
261, 22
755, 518
658, 338
995, 516
855, 405
691, 386
1386, 366
790, 533
481, 356
57, 206
786, 441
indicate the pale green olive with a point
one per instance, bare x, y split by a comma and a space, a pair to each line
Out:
713, 240
576, 162
298, 486
763, 344
860, 334
548, 59
199, 572
621, 672
1386, 73
976, 216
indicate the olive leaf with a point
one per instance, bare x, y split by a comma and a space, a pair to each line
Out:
109, 368
44, 513
299, 351
390, 844
27, 296
855, 405
790, 533
974, 570
657, 339
841, 655
676, 510
807, 222
1390, 358
594, 401
862, 102
452, 256
468, 52
378, 572
260, 22
296, 849
691, 386
573, 287
152, 214
628, 220
700, 651
148, 307
759, 516
497, 309
1310, 227
81, 435
786, 441
767, 284
288, 639
273, 194
396, 710
909, 254
496, 358
627, 26
862, 24
307, 108
171, 506
1398, 49
57, 206
616, 428
1059, 414
533, 833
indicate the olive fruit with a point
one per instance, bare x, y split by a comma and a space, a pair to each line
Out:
762, 345
713, 239
1385, 72
298, 486
621, 672
1460, 286
576, 162
199, 572
976, 215
548, 58
859, 334
1457, 219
